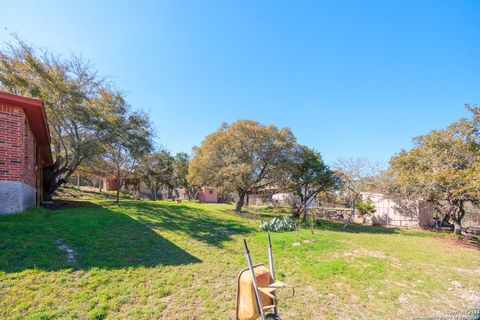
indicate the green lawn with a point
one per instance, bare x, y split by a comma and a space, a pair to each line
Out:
161, 260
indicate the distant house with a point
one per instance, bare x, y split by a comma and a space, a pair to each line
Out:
395, 213
204, 194
269, 195
208, 195
110, 184
24, 151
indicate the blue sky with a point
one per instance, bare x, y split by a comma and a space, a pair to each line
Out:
351, 78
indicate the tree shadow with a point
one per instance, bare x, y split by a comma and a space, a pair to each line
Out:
355, 227
67, 204
197, 223
83, 238
253, 213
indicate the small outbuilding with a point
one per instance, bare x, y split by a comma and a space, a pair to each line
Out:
24, 151
399, 213
208, 195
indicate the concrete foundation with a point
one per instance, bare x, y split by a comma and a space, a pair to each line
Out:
15, 196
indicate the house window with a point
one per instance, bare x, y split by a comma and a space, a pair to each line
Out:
210, 191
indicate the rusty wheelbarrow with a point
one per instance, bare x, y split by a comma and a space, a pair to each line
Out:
256, 289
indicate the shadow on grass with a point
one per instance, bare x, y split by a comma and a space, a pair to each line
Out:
97, 236
355, 227
254, 214
193, 221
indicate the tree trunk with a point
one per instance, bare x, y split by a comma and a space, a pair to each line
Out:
446, 221
304, 212
457, 226
240, 202
52, 181
457, 220
306, 199
190, 193
298, 212
118, 185
457, 216
49, 182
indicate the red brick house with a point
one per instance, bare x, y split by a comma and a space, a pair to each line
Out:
24, 151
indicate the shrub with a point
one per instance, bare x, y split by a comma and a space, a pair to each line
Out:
365, 209
279, 224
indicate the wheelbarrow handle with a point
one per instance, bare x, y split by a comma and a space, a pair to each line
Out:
246, 247
254, 280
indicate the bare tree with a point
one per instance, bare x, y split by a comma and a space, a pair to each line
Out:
358, 175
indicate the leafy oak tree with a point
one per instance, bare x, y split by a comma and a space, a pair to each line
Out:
181, 162
442, 168
308, 176
242, 157
81, 109
130, 142
156, 170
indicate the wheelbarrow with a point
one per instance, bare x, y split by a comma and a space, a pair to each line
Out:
256, 289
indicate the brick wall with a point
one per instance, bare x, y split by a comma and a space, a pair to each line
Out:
17, 146
29, 155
